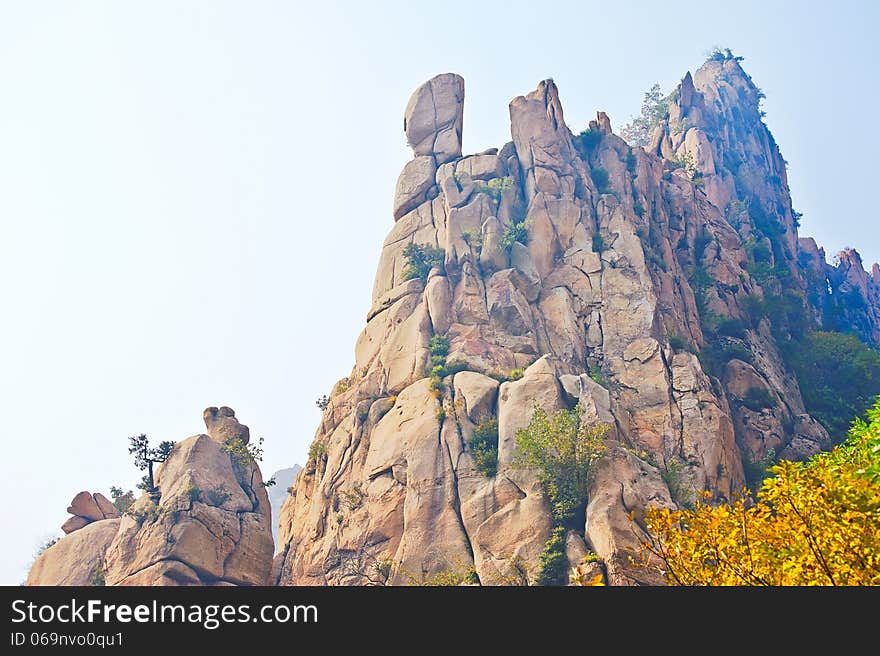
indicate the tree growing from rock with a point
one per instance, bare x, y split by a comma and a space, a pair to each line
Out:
145, 457
654, 109
420, 259
121, 500
563, 450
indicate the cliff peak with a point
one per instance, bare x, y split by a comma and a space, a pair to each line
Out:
562, 270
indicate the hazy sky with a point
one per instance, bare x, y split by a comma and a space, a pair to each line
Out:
193, 195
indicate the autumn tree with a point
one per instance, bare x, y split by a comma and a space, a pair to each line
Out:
813, 523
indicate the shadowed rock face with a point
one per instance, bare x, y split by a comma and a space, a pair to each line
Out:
629, 262
211, 525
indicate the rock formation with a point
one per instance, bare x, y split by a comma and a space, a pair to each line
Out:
211, 525
87, 508
572, 269
224, 427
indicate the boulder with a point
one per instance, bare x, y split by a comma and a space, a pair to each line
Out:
493, 256
223, 426
84, 505
527, 277
433, 118
211, 525
478, 393
508, 309
213, 516
74, 524
595, 400
106, 506
481, 167
438, 296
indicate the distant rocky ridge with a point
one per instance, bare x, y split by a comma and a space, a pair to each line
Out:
634, 261
210, 526
278, 493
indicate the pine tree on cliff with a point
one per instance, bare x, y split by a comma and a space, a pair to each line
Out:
145, 457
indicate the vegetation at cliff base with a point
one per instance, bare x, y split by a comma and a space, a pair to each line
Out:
813, 523
563, 450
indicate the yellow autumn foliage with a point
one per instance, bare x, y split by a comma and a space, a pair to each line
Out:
813, 523
579, 576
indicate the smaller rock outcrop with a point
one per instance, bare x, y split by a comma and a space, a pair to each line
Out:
209, 523
87, 508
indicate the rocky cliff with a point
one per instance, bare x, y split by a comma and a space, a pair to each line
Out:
561, 269
208, 523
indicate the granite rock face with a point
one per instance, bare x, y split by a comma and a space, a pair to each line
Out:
575, 270
628, 260
77, 559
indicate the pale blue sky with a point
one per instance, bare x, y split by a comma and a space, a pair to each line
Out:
193, 195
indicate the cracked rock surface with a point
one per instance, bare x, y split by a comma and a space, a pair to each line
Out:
628, 258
